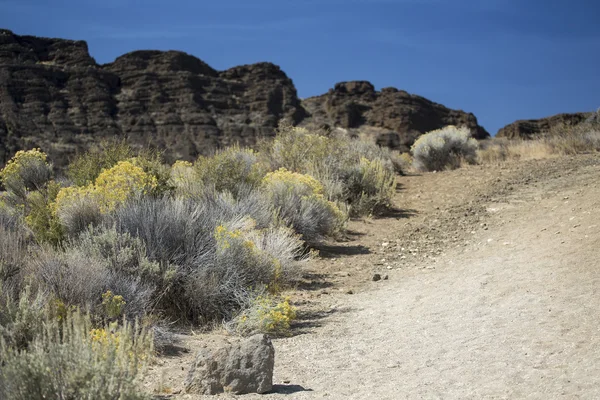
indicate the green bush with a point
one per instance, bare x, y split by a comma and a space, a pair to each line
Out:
297, 149
71, 360
85, 168
341, 164
370, 186
444, 148
40, 216
230, 170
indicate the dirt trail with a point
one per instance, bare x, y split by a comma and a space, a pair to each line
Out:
493, 292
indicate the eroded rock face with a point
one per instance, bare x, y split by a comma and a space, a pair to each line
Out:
401, 117
245, 367
525, 129
53, 95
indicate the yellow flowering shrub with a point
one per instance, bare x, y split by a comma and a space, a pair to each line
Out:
303, 183
112, 304
117, 184
111, 188
181, 171
16, 164
267, 314
299, 201
26, 171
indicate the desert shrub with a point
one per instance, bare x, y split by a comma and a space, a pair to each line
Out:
40, 216
116, 185
570, 140
369, 186
152, 164
79, 277
335, 160
266, 314
250, 203
85, 168
71, 360
230, 170
120, 252
214, 257
77, 208
299, 201
296, 149
22, 317
444, 148
13, 251
185, 181
26, 171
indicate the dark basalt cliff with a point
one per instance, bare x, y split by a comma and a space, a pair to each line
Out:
401, 117
54, 95
525, 129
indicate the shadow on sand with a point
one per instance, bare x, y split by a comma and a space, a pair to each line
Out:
288, 389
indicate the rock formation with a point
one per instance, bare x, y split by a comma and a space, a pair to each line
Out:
399, 116
54, 95
525, 129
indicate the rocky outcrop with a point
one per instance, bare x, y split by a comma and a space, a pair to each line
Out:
241, 368
399, 116
526, 129
54, 95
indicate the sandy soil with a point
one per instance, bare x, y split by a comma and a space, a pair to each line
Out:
493, 293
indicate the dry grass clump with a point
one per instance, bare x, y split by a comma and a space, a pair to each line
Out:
497, 150
560, 140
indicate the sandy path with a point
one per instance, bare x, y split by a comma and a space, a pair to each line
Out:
514, 314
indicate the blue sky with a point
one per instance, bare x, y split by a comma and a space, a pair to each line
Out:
500, 59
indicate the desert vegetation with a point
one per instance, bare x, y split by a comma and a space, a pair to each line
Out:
558, 141
95, 264
451, 147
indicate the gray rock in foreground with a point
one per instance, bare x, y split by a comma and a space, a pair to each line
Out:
245, 367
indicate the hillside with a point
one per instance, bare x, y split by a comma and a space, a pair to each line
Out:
54, 95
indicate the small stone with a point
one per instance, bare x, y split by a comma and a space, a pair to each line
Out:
385, 277
349, 291
376, 277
